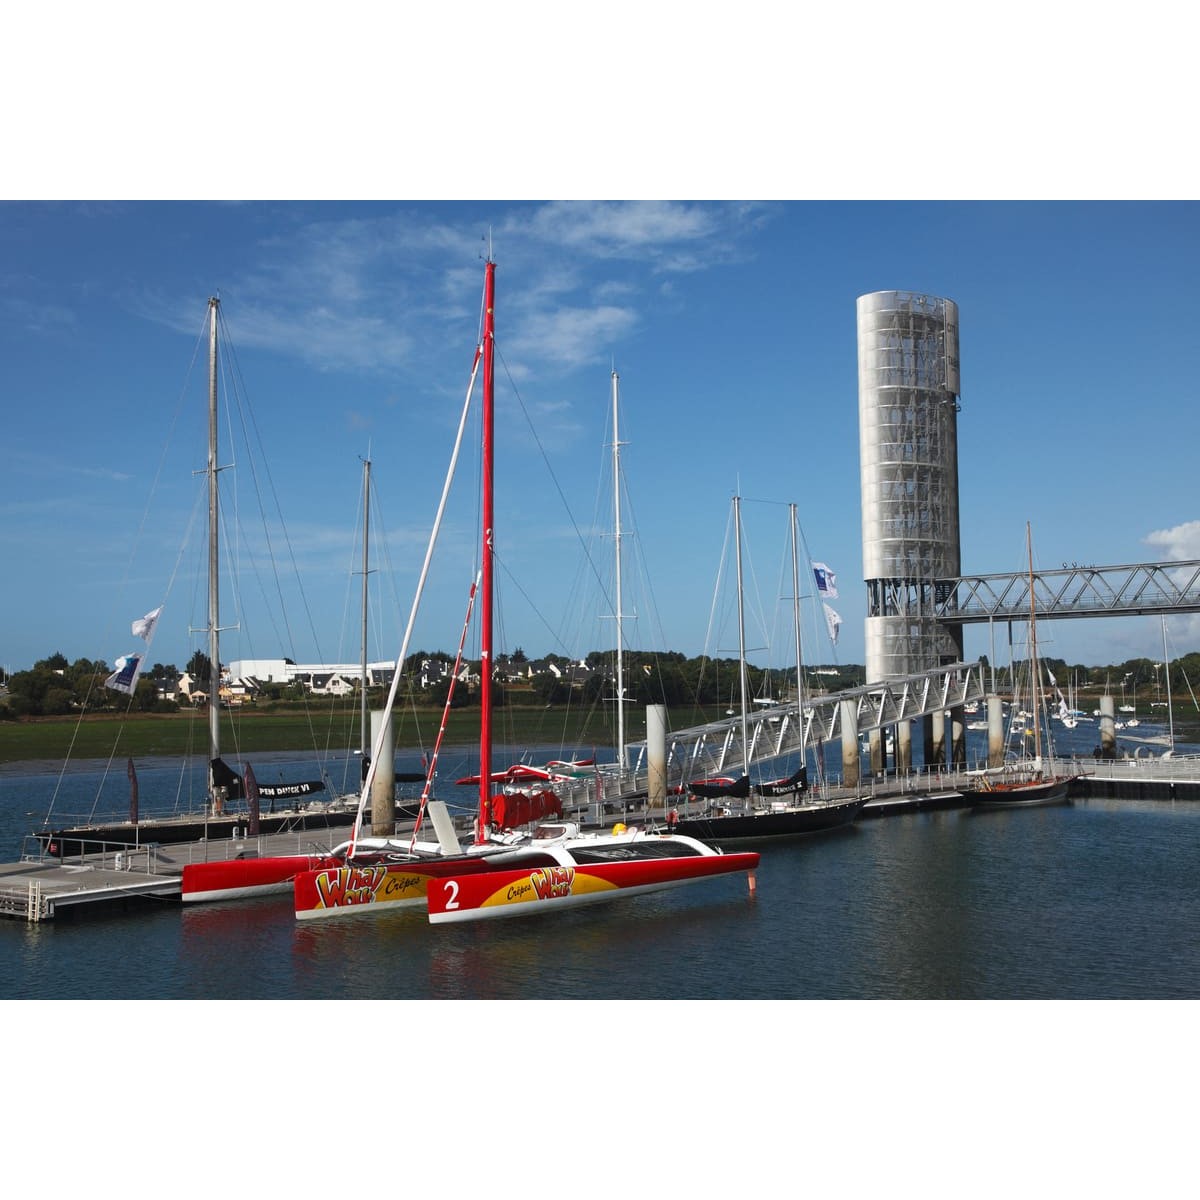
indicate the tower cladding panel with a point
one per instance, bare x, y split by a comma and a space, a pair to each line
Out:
908, 388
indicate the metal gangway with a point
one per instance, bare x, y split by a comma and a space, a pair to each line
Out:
776, 732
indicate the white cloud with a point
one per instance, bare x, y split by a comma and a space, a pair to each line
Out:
573, 337
1180, 542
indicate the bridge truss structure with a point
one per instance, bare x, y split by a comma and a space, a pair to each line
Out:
1134, 589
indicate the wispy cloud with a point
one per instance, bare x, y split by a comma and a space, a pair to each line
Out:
29, 316
377, 294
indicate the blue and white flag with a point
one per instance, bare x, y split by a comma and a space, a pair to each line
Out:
143, 627
833, 622
124, 678
826, 581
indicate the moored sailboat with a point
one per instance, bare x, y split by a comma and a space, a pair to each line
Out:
231, 805
556, 863
738, 809
1030, 781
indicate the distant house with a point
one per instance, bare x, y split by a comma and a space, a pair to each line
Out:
331, 684
327, 679
574, 674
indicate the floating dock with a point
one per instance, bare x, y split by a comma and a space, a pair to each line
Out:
41, 887
33, 891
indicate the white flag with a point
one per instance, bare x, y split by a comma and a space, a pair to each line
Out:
833, 621
124, 678
826, 581
143, 627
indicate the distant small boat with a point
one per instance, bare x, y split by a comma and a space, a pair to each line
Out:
1028, 782
1017, 793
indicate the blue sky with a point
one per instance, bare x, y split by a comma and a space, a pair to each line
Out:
732, 326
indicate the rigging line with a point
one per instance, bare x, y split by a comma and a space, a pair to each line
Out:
244, 410
236, 388
555, 639
549, 468
412, 617
712, 613
166, 442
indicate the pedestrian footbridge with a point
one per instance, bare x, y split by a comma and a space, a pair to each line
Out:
772, 732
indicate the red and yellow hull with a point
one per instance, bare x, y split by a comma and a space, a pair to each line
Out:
528, 890
240, 878
339, 890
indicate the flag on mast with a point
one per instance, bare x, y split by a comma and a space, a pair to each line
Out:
826, 581
833, 623
129, 666
124, 678
143, 627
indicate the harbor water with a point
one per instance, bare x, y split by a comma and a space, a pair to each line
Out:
1093, 900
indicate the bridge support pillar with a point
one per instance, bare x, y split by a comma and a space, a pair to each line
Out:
656, 756
877, 742
995, 731
903, 747
383, 786
958, 738
1108, 728
935, 739
851, 768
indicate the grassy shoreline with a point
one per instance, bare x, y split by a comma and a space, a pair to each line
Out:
324, 732
153, 735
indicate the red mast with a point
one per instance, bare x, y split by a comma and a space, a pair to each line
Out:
485, 631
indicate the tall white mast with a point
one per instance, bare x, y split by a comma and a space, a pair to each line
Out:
214, 583
1035, 672
365, 731
737, 534
1167, 673
796, 628
620, 685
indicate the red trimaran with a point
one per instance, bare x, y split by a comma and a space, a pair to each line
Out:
506, 871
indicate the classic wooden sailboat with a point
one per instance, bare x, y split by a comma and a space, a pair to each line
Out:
232, 802
738, 809
1030, 781
507, 870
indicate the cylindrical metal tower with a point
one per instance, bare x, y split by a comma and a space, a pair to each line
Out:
908, 450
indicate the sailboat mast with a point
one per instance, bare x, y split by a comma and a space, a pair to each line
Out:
214, 582
1167, 673
616, 461
364, 731
737, 536
796, 628
1035, 673
487, 556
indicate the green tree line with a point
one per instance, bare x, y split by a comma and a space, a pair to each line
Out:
56, 687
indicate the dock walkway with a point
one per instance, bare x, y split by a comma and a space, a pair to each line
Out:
40, 887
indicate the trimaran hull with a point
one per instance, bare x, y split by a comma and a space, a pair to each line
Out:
523, 892
242, 878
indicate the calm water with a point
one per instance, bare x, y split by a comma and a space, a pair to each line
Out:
1094, 900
